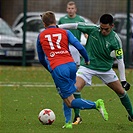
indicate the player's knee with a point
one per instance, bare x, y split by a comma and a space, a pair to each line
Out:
79, 88
69, 105
68, 102
122, 94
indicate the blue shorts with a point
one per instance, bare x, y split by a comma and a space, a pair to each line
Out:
64, 77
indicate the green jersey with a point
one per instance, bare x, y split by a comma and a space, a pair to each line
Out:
99, 47
76, 19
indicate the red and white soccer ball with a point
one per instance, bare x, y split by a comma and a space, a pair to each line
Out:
46, 116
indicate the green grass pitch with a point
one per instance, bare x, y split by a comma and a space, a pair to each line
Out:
25, 91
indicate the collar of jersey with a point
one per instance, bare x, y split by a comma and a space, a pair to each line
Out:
51, 27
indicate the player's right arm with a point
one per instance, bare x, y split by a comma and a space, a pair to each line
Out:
68, 26
121, 69
82, 26
118, 54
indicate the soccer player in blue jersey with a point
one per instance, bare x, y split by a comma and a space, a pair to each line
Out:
102, 46
54, 55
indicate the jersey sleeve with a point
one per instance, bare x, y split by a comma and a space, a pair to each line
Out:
59, 22
121, 69
86, 27
118, 54
81, 19
68, 26
118, 47
74, 41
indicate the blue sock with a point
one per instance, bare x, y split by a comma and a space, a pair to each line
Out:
83, 104
67, 113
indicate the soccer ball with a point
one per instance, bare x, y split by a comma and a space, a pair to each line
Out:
46, 116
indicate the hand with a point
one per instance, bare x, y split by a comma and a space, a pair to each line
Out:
125, 85
87, 63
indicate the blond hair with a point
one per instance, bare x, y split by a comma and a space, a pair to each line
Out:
71, 3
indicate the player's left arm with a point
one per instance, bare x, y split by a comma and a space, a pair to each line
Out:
41, 55
121, 68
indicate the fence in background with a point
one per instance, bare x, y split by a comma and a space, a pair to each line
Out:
92, 9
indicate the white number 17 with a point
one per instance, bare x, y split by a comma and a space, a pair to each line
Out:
57, 41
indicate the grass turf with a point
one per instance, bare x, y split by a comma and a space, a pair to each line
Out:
25, 91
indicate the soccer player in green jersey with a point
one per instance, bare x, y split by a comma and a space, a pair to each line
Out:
72, 17
102, 43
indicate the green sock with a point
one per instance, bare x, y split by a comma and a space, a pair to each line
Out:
77, 111
126, 103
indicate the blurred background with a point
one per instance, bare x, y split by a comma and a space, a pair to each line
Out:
20, 24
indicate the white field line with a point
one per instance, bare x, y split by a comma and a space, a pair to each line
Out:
37, 84
31, 84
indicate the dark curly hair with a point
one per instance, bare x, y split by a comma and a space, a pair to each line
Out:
106, 19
